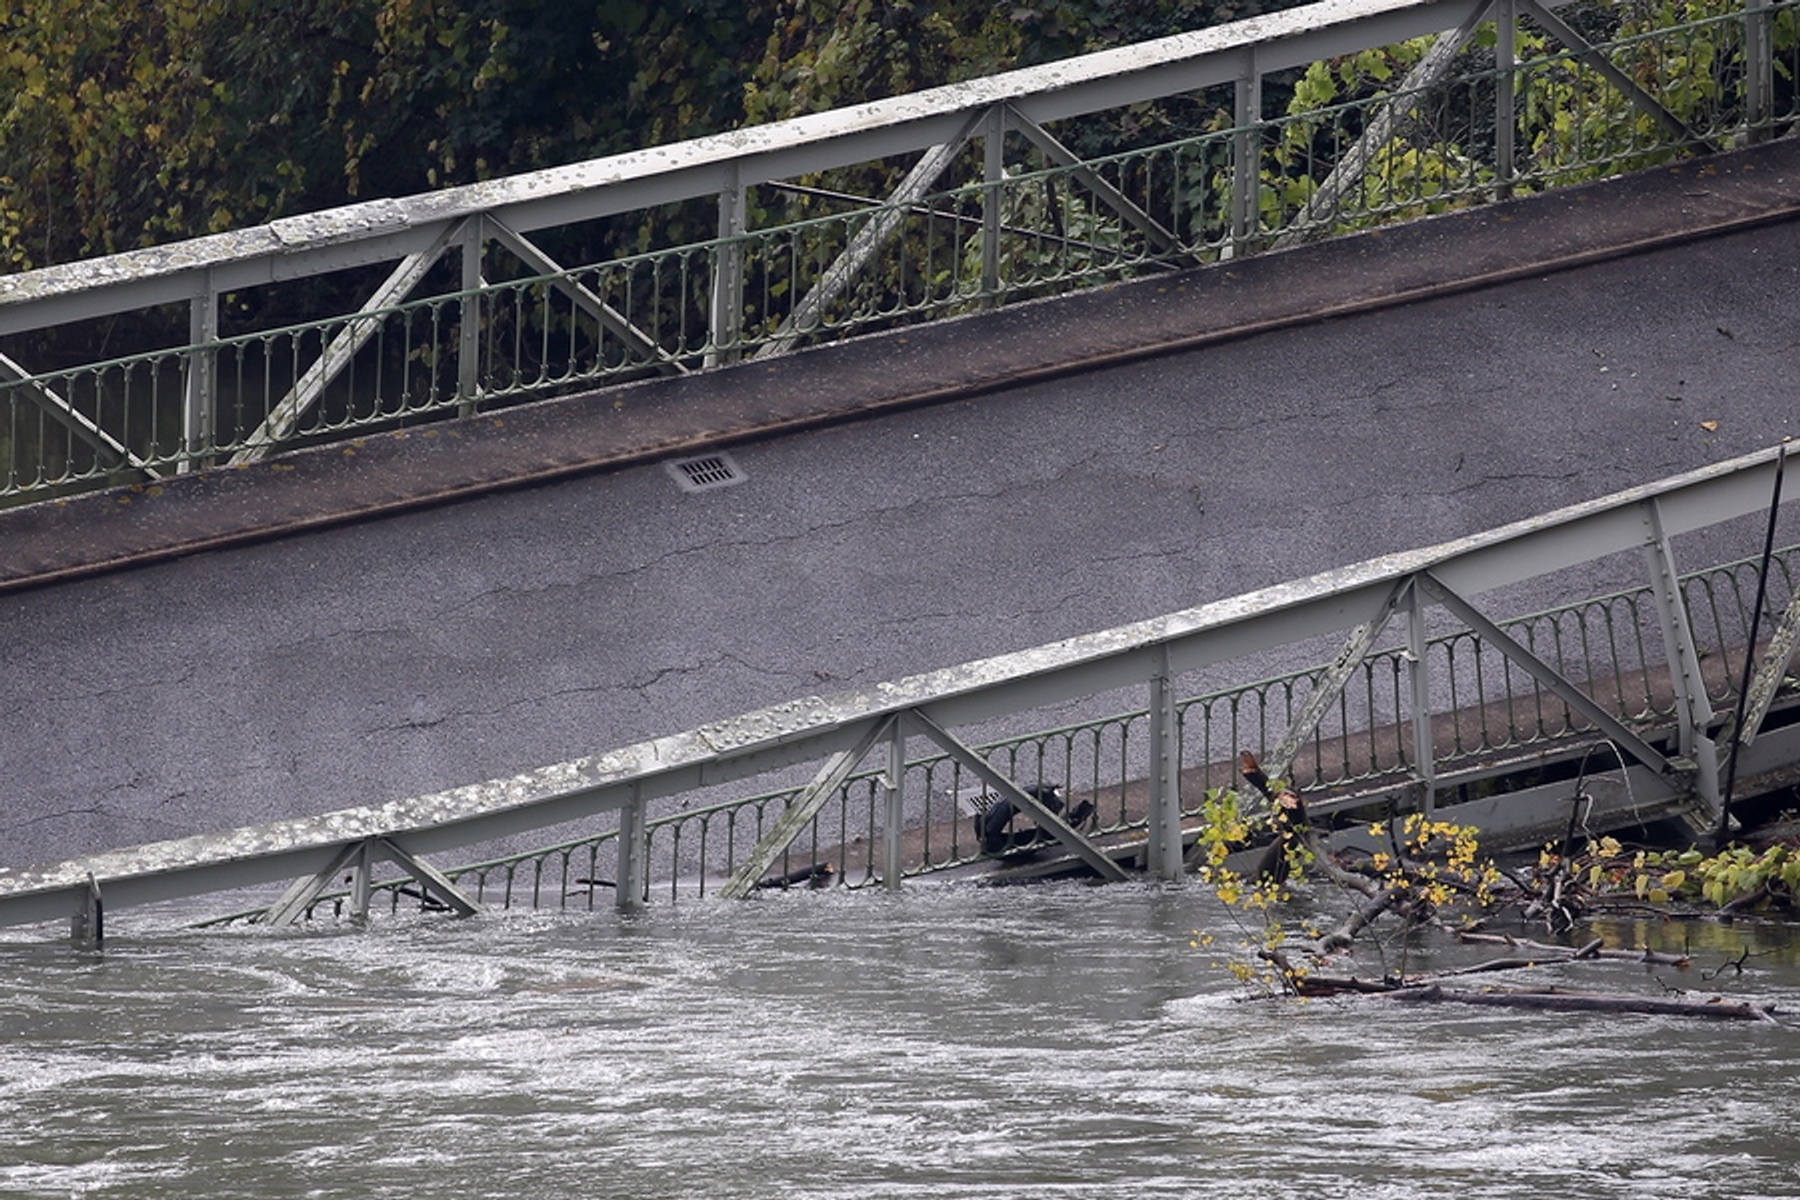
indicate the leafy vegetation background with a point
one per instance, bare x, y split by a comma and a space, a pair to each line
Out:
133, 122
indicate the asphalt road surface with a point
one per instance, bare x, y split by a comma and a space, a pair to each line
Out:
383, 659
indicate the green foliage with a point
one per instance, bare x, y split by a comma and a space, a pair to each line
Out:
1573, 123
137, 121
133, 122
1424, 869
1735, 877
1227, 830
1739, 872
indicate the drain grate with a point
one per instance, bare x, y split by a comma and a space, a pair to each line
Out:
705, 472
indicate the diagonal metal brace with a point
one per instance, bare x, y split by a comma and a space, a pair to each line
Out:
1771, 669
433, 882
284, 418
1546, 675
1584, 50
809, 310
359, 855
803, 809
1065, 833
1279, 761
584, 298
1109, 195
1395, 115
303, 891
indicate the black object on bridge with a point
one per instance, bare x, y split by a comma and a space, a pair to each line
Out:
817, 875
993, 827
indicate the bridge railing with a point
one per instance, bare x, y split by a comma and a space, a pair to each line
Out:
1624, 704
1301, 124
1494, 712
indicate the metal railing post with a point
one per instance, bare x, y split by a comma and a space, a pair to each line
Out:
200, 387
1164, 817
87, 926
1418, 678
361, 877
1246, 159
634, 854
1759, 69
1506, 65
726, 316
993, 177
894, 806
1693, 711
468, 359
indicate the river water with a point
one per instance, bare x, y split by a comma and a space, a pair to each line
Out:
944, 1041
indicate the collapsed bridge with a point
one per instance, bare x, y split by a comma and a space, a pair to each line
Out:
1663, 690
452, 355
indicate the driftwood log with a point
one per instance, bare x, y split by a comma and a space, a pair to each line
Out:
1551, 999
1291, 829
1538, 953
1555, 999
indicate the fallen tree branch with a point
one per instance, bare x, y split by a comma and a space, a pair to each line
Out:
1344, 936
1749, 899
1287, 818
1551, 999
1550, 952
1563, 1000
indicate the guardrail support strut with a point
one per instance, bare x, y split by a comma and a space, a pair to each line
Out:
1163, 850
634, 854
87, 929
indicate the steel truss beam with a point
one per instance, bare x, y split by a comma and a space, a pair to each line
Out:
803, 808
1109, 195
1006, 789
881, 228
608, 316
385, 230
1394, 116
1332, 680
840, 766
1547, 676
279, 425
359, 858
1771, 669
810, 728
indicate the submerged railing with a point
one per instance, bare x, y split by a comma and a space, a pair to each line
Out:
1301, 124
1496, 712
1624, 704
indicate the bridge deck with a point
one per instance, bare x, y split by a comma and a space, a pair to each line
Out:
58, 540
